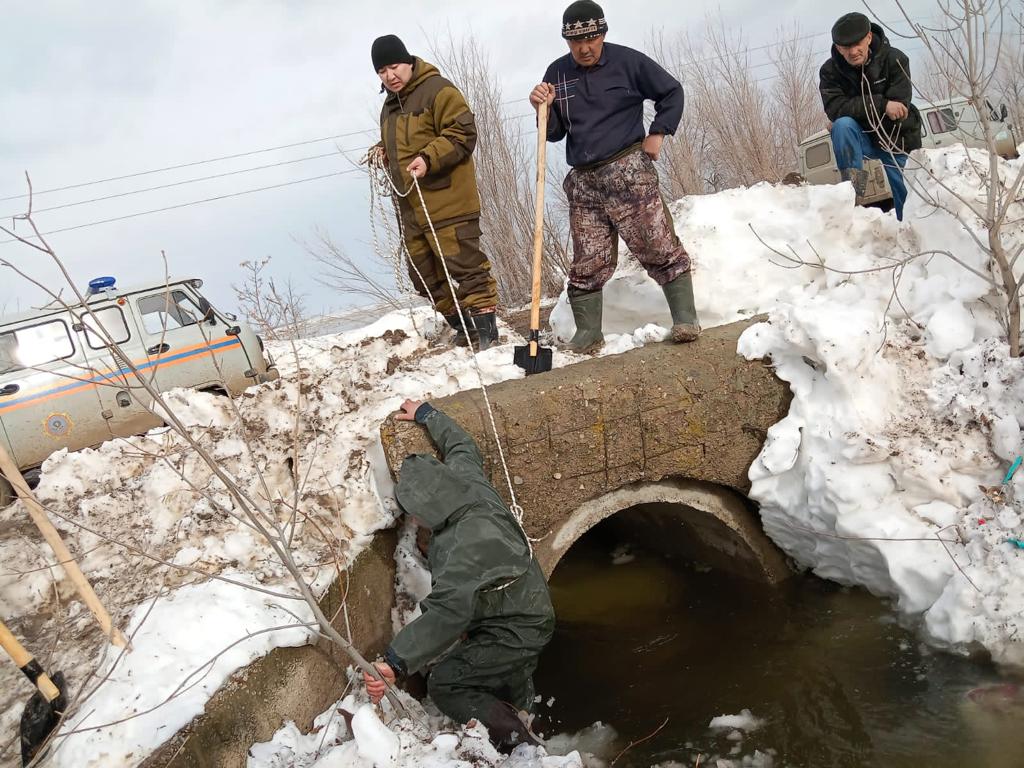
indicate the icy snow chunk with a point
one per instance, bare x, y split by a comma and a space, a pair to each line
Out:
951, 328
938, 512
375, 740
445, 742
744, 721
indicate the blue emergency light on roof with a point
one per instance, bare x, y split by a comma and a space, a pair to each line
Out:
98, 284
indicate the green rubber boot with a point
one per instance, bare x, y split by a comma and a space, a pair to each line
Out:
587, 308
679, 294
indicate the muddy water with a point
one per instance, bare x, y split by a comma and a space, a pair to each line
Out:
837, 682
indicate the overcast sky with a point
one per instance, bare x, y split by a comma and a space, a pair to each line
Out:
100, 90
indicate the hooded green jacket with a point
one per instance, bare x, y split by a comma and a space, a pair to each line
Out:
430, 117
484, 581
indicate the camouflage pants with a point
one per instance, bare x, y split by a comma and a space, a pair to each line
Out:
620, 199
469, 267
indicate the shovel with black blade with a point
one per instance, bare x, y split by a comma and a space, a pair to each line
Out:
534, 358
46, 707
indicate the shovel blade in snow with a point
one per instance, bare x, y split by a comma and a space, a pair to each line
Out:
40, 718
533, 358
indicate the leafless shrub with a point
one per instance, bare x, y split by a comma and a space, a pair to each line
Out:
736, 130
506, 175
796, 103
275, 314
349, 277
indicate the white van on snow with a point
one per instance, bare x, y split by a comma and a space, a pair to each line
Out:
60, 386
942, 124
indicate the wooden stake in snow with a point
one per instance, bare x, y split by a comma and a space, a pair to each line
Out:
64, 557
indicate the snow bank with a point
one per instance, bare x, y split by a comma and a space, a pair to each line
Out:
171, 657
903, 405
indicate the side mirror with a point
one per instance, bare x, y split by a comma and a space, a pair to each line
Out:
230, 316
1003, 112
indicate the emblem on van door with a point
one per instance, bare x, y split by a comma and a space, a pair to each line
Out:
58, 425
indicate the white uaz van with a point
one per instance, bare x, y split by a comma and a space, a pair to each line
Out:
60, 385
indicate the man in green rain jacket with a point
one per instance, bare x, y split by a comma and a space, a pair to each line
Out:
428, 132
489, 614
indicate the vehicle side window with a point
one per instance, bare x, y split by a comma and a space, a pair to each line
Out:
818, 155
111, 320
168, 311
35, 345
942, 120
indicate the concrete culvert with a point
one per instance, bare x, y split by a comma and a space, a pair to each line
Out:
697, 521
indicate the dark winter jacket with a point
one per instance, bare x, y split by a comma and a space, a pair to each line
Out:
601, 108
862, 92
483, 577
430, 117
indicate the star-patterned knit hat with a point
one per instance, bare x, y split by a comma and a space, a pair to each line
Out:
582, 19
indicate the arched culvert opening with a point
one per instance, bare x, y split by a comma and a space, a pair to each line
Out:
694, 521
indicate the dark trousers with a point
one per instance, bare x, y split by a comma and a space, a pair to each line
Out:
469, 267
620, 199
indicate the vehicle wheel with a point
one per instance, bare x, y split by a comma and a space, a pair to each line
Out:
6, 492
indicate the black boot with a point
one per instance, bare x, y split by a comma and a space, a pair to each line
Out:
456, 324
507, 729
483, 329
486, 326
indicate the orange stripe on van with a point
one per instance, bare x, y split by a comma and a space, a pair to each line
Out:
101, 378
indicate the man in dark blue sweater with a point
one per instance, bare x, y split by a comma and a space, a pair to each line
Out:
596, 97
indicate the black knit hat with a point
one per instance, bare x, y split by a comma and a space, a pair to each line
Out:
851, 29
584, 18
389, 50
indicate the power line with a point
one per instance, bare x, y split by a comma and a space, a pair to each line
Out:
191, 203
187, 165
180, 183
340, 151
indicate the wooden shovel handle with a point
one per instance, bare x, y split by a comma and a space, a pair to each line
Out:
27, 663
64, 557
538, 219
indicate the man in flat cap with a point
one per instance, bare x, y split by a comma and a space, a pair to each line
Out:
866, 90
596, 97
428, 132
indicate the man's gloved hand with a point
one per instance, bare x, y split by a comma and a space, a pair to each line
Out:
376, 688
896, 110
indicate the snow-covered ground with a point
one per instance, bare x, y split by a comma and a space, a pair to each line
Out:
905, 402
